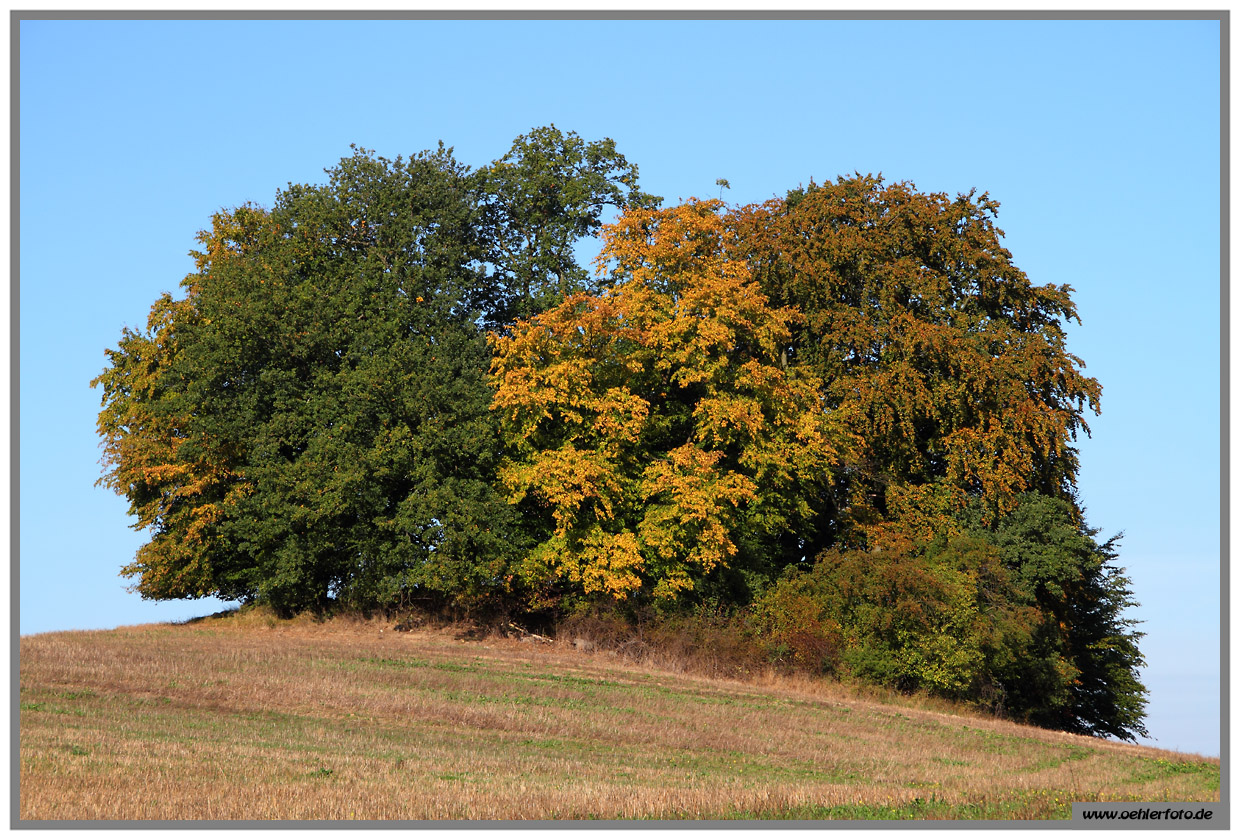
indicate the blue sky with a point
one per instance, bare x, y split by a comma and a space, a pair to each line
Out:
1099, 138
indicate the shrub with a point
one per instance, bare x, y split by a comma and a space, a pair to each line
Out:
942, 617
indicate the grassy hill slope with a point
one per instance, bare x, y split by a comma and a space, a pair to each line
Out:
244, 717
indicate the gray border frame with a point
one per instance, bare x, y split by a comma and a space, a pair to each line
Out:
15, 18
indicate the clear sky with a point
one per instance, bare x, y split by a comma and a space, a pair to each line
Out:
1099, 138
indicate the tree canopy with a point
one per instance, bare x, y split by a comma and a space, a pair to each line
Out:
329, 349
943, 358
651, 426
844, 419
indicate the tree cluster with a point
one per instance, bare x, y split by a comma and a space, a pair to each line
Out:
843, 417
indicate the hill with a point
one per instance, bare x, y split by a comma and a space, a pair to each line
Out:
243, 716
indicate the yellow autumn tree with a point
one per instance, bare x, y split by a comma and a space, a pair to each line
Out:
653, 434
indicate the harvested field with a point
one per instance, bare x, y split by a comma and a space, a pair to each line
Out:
245, 717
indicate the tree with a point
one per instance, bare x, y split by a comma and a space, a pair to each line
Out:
1082, 673
652, 435
936, 350
951, 369
330, 347
543, 196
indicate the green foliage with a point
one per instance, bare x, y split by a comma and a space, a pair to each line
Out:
333, 353
941, 619
548, 192
1025, 617
1083, 671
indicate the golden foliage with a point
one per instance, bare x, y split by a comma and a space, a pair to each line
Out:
652, 422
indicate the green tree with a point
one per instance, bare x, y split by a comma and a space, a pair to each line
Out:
1082, 673
310, 422
546, 194
333, 353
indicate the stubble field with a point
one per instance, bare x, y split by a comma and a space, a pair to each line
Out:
245, 717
